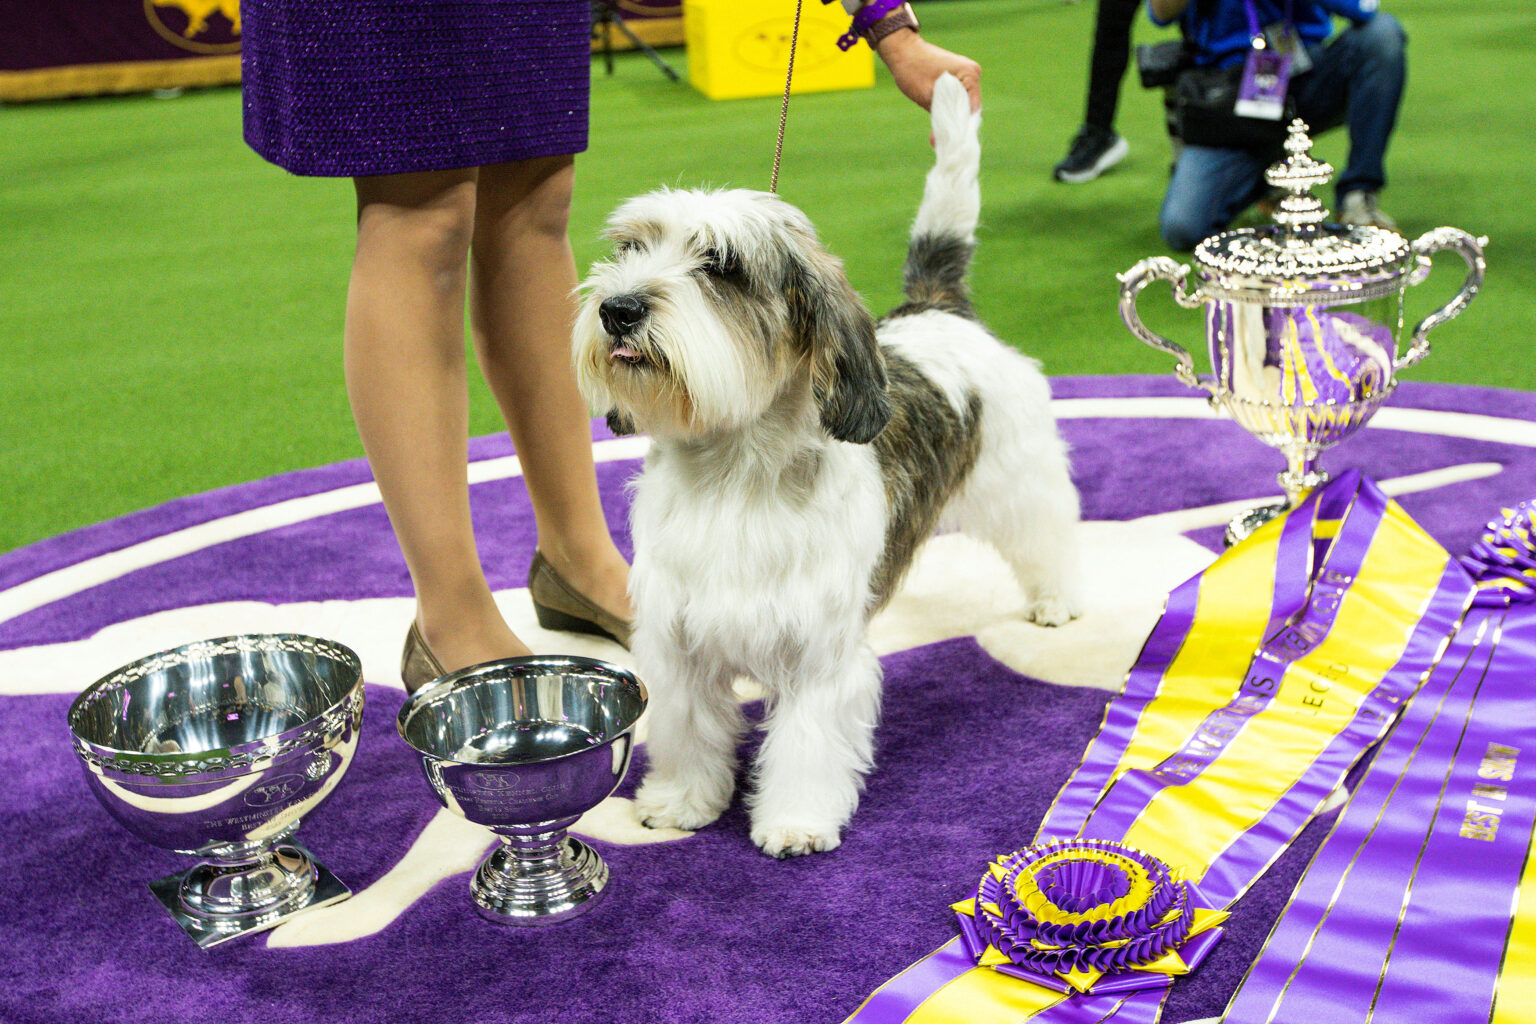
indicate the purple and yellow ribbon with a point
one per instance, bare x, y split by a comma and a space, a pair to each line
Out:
1264, 682
1328, 355
1421, 904
1503, 560
1086, 916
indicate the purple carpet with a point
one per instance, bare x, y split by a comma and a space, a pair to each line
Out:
704, 929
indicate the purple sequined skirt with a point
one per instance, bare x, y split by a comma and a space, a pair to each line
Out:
358, 87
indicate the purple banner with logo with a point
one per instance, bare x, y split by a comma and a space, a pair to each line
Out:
90, 46
82, 47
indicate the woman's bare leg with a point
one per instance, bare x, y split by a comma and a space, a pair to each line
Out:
405, 369
522, 308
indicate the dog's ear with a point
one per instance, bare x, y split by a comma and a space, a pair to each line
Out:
847, 368
619, 424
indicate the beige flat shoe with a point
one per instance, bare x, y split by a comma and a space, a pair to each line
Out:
418, 665
560, 606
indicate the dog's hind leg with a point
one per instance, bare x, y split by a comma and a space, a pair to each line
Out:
694, 726
819, 744
1029, 514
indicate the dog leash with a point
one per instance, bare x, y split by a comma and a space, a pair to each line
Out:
778, 150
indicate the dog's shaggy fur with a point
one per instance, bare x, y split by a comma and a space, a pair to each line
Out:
800, 457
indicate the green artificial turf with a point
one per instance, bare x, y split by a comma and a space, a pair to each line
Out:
171, 306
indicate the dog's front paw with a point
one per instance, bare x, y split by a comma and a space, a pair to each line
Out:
1051, 611
795, 840
669, 803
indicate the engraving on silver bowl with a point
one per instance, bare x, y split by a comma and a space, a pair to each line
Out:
218, 749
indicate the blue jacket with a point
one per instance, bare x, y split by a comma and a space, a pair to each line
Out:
1223, 39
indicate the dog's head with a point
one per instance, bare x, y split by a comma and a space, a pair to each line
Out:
713, 305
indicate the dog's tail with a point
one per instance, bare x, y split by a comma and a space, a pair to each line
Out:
944, 232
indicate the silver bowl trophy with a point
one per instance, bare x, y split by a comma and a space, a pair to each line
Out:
217, 749
1303, 320
525, 746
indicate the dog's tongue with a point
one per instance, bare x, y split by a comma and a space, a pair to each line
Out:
624, 352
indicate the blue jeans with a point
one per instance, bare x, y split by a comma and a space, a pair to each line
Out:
1357, 79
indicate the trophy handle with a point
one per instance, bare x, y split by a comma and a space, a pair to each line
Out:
1471, 250
1161, 268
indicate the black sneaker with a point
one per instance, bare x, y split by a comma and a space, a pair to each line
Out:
1094, 151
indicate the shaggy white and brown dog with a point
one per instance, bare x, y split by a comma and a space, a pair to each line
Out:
801, 453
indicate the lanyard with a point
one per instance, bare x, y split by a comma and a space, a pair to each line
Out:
1256, 30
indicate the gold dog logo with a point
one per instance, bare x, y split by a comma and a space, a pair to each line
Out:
201, 26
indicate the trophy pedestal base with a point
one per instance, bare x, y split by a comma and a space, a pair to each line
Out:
1241, 527
209, 929
527, 892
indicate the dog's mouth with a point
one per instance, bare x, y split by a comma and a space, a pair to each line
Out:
624, 353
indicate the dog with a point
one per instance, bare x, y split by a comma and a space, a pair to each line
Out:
800, 455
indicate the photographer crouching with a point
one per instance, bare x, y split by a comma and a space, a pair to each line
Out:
1252, 65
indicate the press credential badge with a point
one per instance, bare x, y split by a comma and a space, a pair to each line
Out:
1266, 75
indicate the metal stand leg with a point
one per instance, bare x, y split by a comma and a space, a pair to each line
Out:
606, 16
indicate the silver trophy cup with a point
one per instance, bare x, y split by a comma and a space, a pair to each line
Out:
1303, 321
525, 746
218, 749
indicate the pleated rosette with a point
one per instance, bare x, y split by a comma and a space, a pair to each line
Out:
1503, 560
1086, 915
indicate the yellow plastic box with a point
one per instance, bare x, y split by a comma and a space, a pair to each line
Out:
740, 48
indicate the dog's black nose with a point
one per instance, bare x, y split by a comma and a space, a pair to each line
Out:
621, 314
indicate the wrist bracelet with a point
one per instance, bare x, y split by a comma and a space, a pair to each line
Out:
902, 17
864, 20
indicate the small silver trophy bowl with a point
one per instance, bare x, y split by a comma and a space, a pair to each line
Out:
525, 746
217, 749
1303, 321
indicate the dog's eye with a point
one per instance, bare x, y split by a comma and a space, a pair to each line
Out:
724, 265
625, 246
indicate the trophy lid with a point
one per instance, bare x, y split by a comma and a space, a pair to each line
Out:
1303, 258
